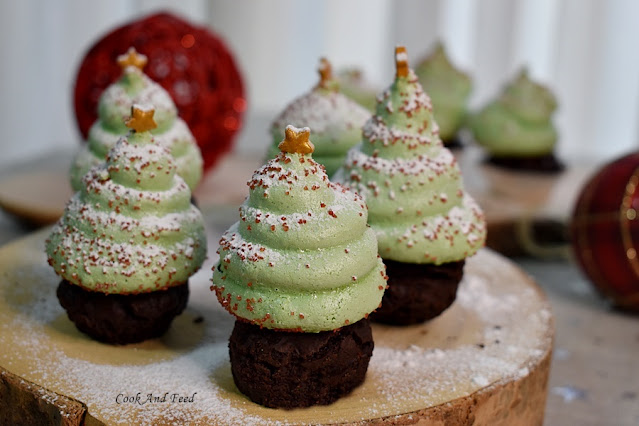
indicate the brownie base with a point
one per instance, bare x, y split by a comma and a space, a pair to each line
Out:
122, 319
548, 163
418, 292
282, 369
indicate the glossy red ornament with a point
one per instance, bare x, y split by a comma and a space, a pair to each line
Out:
191, 63
605, 231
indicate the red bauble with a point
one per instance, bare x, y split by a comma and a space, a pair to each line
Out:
605, 231
192, 64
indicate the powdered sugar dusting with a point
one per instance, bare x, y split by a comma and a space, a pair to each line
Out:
328, 114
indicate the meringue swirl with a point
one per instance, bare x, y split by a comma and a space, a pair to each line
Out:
335, 120
132, 227
411, 183
519, 122
134, 87
301, 257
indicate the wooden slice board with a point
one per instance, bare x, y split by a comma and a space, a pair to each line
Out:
484, 361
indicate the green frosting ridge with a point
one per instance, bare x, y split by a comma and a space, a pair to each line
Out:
411, 182
335, 120
134, 87
301, 257
519, 122
131, 228
448, 88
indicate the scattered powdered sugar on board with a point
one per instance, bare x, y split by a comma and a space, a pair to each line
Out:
501, 339
508, 342
186, 376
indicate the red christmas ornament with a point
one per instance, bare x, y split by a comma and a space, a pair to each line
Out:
605, 231
191, 63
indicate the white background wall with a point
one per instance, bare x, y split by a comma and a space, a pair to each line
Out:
586, 50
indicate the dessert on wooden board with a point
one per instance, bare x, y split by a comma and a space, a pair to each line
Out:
426, 224
128, 241
516, 128
301, 273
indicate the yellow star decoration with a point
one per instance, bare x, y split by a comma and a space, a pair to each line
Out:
326, 73
141, 119
296, 141
401, 62
132, 58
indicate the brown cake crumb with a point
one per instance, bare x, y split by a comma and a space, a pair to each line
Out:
122, 319
280, 369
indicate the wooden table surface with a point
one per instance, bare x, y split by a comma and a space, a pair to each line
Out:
594, 377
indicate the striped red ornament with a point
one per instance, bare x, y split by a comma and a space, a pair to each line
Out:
605, 231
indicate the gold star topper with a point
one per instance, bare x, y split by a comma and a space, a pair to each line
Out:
141, 119
296, 141
401, 62
325, 72
132, 58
